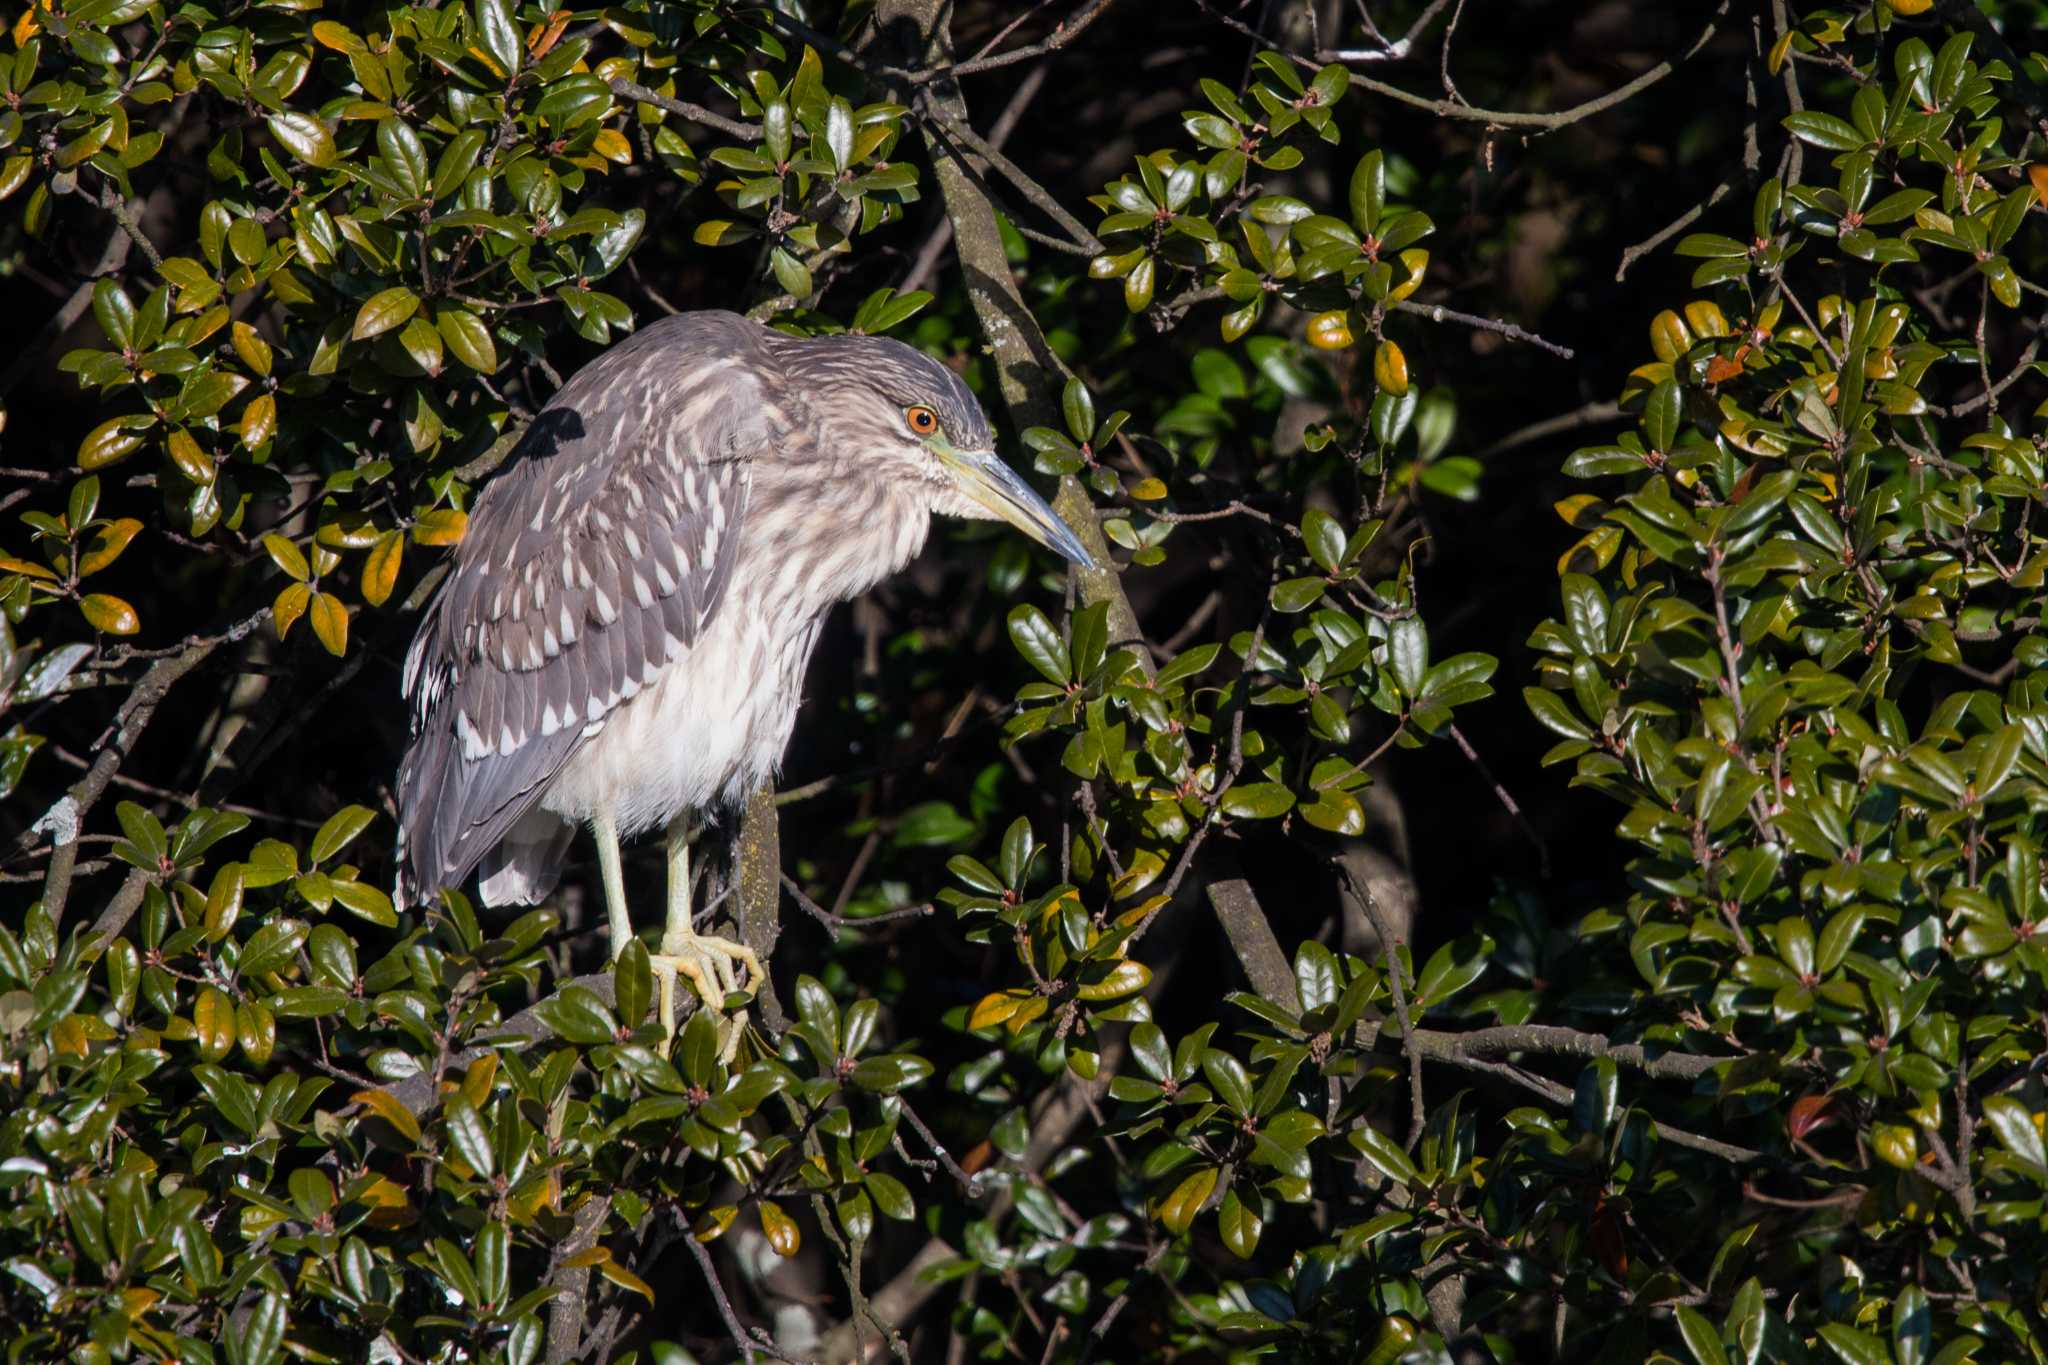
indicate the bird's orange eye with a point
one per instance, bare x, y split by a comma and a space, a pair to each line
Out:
922, 420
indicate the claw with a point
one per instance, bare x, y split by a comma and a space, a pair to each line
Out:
712, 966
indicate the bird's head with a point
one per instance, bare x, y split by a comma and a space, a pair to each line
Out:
912, 420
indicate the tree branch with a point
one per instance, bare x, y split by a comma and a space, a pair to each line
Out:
1563, 118
1028, 373
695, 113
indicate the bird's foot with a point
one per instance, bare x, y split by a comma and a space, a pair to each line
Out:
713, 968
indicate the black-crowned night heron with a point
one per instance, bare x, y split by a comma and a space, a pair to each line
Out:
622, 637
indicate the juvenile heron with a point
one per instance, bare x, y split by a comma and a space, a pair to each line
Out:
622, 637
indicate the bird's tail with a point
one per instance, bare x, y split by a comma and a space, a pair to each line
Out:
525, 865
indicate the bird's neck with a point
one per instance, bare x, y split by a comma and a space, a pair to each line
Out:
813, 542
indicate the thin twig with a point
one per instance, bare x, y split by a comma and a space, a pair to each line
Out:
1436, 312
696, 113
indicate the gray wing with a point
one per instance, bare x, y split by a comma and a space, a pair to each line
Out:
597, 557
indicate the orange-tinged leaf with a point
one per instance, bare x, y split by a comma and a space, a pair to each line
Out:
290, 605
67, 1036
1909, 8
380, 570
593, 1256
329, 619
1723, 368
1610, 1244
1390, 368
1148, 490
2037, 176
1330, 331
26, 27
9, 564
109, 614
1808, 1113
611, 144
106, 545
545, 35
442, 526
385, 1106
779, 1228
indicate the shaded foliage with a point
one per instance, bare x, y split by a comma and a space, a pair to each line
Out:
1750, 1074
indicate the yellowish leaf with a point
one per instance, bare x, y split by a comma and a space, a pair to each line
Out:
442, 526
1330, 331
213, 1020
380, 570
286, 556
779, 1228
1580, 511
9, 564
329, 619
109, 614
1415, 260
385, 1106
67, 1036
712, 1224
994, 1008
626, 1279
611, 144
259, 421
477, 1081
106, 545
290, 605
1125, 978
1390, 368
194, 463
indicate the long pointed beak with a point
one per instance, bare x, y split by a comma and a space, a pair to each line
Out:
983, 476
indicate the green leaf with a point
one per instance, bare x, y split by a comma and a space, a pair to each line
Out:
499, 37
1039, 643
339, 832
1257, 801
1700, 1337
468, 337
467, 1134
304, 137
1854, 1347
383, 311
2014, 1125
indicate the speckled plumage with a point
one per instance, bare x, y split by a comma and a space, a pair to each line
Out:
626, 624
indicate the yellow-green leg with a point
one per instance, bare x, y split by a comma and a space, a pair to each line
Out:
711, 964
